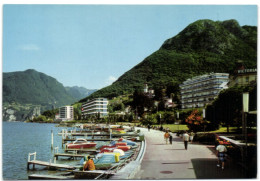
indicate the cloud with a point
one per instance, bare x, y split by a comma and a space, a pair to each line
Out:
110, 80
29, 47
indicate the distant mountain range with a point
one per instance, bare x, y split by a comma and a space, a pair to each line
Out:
202, 47
28, 93
79, 92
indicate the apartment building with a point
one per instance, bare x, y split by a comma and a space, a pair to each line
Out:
202, 90
97, 106
66, 113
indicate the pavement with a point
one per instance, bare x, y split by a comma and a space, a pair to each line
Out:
172, 161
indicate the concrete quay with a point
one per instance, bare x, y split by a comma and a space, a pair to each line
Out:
161, 161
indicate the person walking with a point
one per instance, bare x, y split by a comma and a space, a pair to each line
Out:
191, 136
166, 137
170, 138
186, 138
221, 152
149, 127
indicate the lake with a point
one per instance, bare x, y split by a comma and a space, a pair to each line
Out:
19, 139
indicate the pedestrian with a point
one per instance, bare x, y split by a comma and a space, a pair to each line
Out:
149, 127
161, 128
186, 138
166, 137
170, 138
191, 136
89, 164
221, 152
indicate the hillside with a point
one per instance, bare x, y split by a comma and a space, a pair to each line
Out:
34, 87
202, 47
28, 93
79, 92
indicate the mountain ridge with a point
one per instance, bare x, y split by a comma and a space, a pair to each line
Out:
28, 93
204, 46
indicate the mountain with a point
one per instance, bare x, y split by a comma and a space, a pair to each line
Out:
202, 47
79, 92
28, 93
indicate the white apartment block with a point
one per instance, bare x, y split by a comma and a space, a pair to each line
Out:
202, 90
94, 107
66, 113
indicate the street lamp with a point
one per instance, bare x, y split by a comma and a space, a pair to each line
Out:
204, 116
178, 121
244, 117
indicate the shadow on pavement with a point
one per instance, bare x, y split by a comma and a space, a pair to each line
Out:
175, 149
160, 144
207, 169
177, 140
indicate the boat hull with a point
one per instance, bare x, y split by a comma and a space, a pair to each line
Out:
81, 146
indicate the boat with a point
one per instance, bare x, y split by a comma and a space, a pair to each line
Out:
80, 143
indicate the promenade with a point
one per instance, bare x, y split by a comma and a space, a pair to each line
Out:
163, 161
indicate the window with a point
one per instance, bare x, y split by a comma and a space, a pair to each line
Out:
247, 79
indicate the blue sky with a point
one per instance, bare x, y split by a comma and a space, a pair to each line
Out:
93, 45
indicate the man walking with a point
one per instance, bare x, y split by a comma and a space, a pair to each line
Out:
149, 127
221, 152
186, 138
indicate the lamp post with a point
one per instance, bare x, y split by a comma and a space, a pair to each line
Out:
160, 121
204, 116
178, 121
244, 118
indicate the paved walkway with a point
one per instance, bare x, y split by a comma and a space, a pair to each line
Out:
163, 161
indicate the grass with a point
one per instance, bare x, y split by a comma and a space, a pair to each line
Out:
224, 129
175, 127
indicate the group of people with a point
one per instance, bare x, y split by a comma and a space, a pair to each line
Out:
168, 137
221, 149
186, 137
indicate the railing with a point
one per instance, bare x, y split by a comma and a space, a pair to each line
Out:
29, 156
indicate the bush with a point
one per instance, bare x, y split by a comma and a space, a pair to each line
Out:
206, 138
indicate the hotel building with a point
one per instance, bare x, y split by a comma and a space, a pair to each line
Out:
94, 107
243, 77
202, 90
66, 113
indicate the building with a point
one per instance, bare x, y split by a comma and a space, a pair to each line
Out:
243, 77
66, 113
202, 90
148, 91
97, 106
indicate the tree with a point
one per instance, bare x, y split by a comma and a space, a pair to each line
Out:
227, 108
141, 101
195, 121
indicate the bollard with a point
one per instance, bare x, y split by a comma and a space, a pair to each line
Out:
51, 140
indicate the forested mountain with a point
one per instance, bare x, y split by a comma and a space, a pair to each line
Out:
202, 47
79, 92
34, 87
28, 93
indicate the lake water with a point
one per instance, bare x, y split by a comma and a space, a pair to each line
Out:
19, 139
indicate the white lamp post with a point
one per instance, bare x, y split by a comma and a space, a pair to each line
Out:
178, 121
204, 116
244, 115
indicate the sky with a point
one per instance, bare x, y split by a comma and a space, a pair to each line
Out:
93, 45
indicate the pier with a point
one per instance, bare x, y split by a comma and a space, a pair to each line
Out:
48, 164
44, 163
57, 155
48, 177
91, 174
93, 151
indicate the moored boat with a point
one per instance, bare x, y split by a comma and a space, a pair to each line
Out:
81, 143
